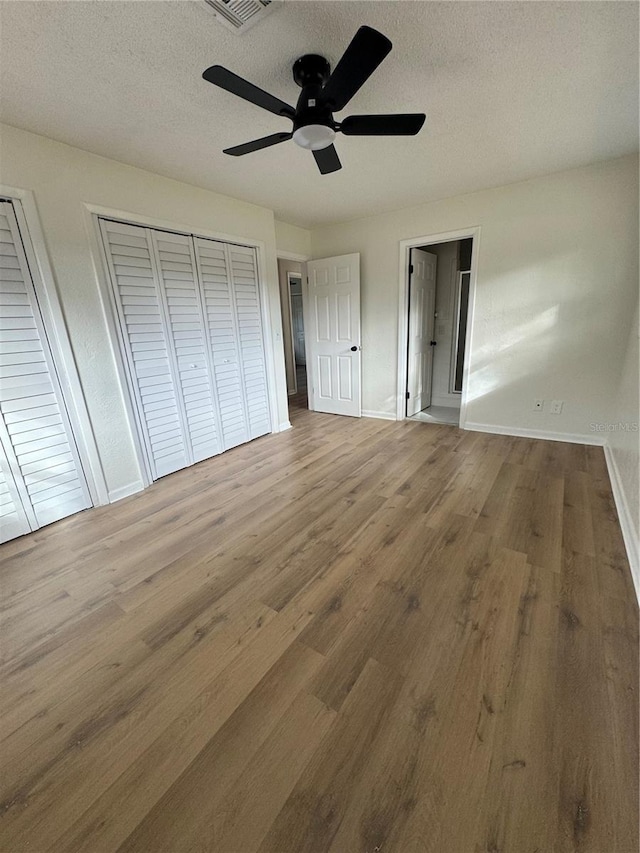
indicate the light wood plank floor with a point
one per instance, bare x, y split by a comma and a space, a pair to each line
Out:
353, 636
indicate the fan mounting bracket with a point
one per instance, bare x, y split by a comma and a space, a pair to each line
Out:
311, 70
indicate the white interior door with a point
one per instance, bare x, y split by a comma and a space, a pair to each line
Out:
333, 335
42, 479
422, 306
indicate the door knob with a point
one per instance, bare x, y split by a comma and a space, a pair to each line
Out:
354, 349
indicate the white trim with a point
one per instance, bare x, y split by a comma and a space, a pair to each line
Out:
268, 328
625, 518
284, 426
383, 416
125, 491
448, 401
292, 256
50, 307
544, 435
311, 403
405, 246
129, 218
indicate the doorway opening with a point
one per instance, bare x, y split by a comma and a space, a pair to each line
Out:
291, 274
435, 328
297, 332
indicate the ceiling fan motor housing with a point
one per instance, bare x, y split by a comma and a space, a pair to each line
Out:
313, 125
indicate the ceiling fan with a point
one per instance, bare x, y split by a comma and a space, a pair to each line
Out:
323, 93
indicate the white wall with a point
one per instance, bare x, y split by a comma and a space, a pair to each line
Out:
292, 240
623, 452
557, 278
63, 179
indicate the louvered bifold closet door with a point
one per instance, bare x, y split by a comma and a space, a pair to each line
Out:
177, 267
244, 275
13, 517
143, 324
222, 330
35, 431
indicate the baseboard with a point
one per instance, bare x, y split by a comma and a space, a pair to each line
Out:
285, 425
383, 416
447, 402
125, 491
571, 438
626, 520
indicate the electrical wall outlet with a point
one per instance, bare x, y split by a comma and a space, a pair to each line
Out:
556, 407
538, 405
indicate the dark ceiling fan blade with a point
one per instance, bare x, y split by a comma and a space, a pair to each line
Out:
327, 160
401, 124
226, 79
367, 50
257, 144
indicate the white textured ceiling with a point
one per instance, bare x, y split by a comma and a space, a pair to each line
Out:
511, 90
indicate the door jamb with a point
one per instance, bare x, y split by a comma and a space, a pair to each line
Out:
302, 260
403, 309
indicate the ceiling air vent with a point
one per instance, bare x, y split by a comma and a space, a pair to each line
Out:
240, 15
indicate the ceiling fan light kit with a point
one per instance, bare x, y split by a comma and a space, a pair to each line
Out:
323, 93
314, 137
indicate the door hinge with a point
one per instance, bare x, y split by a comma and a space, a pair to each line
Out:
410, 269
408, 395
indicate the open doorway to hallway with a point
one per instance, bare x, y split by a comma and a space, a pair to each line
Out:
297, 332
290, 275
439, 276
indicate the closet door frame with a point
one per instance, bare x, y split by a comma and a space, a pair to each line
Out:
93, 214
66, 372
